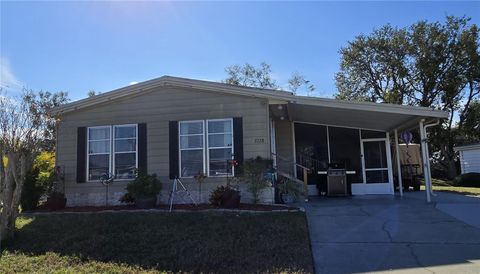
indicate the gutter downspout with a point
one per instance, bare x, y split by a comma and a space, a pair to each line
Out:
428, 154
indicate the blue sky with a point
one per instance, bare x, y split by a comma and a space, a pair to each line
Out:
79, 46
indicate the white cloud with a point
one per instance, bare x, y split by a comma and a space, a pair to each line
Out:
133, 83
8, 80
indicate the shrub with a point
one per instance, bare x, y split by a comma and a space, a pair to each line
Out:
471, 179
145, 185
127, 198
217, 194
39, 181
254, 176
225, 196
31, 192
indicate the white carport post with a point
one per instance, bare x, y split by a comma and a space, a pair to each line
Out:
428, 156
426, 171
389, 164
399, 166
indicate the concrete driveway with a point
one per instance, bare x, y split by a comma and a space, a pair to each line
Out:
386, 233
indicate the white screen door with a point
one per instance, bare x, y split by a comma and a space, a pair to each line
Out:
375, 161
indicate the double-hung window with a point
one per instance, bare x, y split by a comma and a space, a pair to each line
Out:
112, 150
99, 146
192, 148
220, 147
206, 147
125, 151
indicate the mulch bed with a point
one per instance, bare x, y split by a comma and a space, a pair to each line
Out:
183, 207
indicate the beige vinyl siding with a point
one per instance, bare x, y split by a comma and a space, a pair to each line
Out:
284, 145
156, 108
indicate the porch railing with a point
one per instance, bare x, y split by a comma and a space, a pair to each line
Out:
286, 168
314, 165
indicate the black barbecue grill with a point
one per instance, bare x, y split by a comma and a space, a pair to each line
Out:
337, 182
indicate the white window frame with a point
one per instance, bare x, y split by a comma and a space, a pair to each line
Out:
365, 169
225, 147
180, 149
112, 152
109, 153
205, 148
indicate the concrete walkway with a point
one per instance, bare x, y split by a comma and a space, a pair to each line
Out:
386, 233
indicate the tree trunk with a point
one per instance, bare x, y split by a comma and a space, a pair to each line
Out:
452, 169
14, 179
7, 214
449, 162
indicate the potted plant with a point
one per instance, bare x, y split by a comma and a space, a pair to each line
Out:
289, 191
231, 198
56, 199
144, 190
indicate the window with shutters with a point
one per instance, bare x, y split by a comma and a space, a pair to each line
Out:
112, 150
206, 147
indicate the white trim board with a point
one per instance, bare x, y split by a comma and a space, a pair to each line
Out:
365, 189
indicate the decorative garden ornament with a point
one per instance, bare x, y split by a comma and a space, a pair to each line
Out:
106, 180
407, 137
199, 179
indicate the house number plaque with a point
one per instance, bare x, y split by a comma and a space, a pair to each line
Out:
259, 141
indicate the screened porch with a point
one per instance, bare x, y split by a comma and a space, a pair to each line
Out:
309, 136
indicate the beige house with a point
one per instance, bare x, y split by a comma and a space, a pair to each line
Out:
178, 127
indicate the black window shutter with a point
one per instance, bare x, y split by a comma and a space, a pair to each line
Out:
142, 147
238, 144
173, 149
81, 154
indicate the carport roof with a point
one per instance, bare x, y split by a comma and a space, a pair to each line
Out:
382, 117
301, 108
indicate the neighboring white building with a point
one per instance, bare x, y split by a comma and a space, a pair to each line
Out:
469, 158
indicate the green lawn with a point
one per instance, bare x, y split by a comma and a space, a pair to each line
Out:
160, 242
441, 185
456, 189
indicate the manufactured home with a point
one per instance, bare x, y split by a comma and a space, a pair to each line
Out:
177, 127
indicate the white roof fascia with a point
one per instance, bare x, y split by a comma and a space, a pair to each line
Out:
370, 106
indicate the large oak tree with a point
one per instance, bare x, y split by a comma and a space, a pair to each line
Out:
434, 65
248, 75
